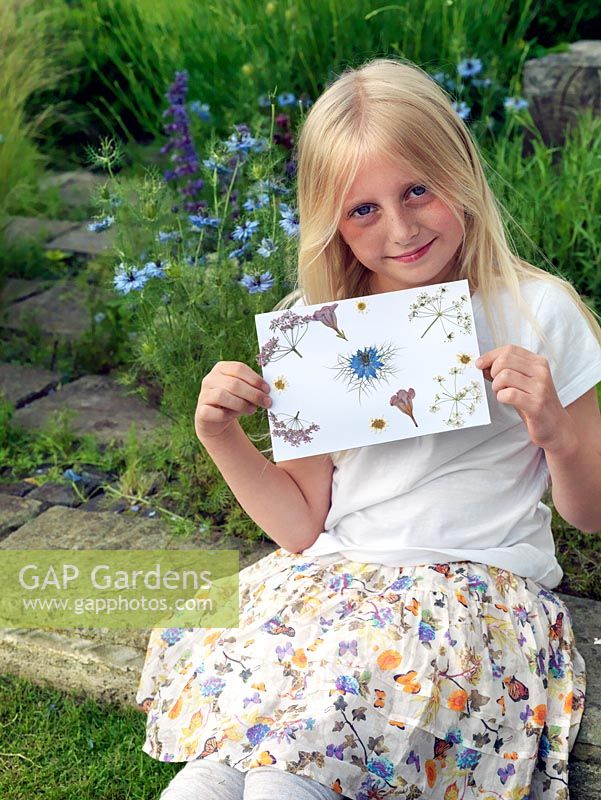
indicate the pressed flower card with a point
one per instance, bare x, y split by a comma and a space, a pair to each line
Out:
371, 369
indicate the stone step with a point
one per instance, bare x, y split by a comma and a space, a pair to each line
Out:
60, 311
17, 289
75, 187
21, 384
36, 228
102, 408
81, 240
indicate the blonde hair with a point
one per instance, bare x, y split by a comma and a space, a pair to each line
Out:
395, 108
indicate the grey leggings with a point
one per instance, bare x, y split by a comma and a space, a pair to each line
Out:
205, 779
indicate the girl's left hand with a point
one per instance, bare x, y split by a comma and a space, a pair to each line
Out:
523, 380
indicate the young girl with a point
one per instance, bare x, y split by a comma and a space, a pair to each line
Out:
403, 641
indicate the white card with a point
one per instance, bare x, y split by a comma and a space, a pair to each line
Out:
371, 369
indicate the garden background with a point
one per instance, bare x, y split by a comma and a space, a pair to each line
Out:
188, 111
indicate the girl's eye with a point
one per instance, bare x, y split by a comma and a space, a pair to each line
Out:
362, 211
422, 189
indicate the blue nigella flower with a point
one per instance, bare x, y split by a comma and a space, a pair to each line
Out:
199, 222
307, 102
101, 225
192, 261
286, 99
240, 252
272, 186
256, 202
289, 222
256, 284
128, 279
202, 110
482, 83
168, 236
267, 248
214, 165
469, 67
462, 109
71, 475
243, 142
515, 103
152, 270
264, 101
242, 233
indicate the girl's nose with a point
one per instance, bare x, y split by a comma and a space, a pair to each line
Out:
402, 227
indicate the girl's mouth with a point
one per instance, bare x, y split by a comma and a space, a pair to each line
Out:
414, 256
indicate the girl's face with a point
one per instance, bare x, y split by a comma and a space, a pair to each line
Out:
388, 213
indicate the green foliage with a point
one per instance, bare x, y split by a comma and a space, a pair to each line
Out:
553, 196
28, 43
57, 744
125, 52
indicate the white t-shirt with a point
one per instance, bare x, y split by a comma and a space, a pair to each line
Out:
471, 494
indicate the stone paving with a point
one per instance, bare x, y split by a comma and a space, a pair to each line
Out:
102, 662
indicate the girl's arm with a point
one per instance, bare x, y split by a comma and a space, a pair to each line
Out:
290, 510
570, 436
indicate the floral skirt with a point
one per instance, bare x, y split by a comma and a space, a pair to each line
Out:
456, 680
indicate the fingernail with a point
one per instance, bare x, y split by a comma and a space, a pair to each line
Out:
478, 361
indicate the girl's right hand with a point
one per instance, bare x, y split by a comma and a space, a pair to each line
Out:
229, 390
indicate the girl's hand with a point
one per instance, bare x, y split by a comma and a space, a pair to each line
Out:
229, 390
523, 380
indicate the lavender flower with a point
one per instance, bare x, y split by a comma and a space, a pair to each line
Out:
180, 144
256, 284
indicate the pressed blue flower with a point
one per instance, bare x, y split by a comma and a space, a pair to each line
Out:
289, 222
264, 101
168, 236
268, 246
381, 766
469, 67
128, 279
152, 270
515, 103
242, 233
286, 99
199, 222
202, 110
469, 759
101, 225
252, 203
256, 284
256, 733
462, 109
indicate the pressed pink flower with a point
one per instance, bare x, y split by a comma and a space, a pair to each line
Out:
403, 400
327, 315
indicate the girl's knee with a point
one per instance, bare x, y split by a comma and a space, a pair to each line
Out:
265, 783
202, 779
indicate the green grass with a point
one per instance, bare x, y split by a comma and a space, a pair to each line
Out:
61, 746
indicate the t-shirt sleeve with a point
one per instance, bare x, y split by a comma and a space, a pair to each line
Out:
573, 351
